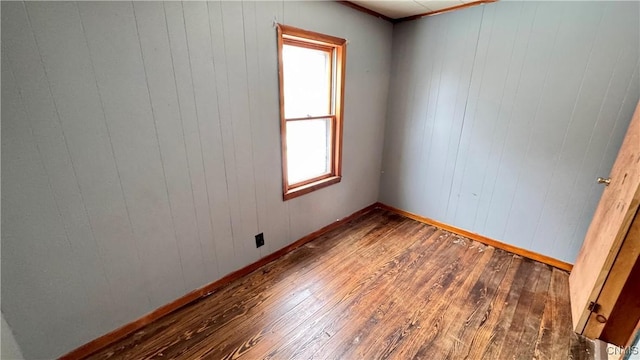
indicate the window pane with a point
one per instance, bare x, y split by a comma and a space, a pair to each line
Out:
306, 81
308, 149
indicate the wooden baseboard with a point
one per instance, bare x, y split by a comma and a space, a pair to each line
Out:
110, 338
483, 239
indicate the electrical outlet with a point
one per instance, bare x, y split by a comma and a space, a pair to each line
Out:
259, 240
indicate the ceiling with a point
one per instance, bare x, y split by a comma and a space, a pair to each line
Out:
398, 9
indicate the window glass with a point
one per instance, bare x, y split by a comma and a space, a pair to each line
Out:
307, 85
308, 147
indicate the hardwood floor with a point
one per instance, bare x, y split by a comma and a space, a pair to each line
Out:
381, 286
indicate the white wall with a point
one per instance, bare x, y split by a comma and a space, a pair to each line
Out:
141, 153
501, 116
633, 351
9, 349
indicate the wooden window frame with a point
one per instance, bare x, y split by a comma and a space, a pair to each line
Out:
338, 48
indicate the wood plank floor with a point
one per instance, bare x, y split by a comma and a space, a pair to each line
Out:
381, 286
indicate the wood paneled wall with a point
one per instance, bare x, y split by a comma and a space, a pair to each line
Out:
9, 348
501, 116
141, 153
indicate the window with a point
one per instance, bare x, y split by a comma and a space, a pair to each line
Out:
311, 71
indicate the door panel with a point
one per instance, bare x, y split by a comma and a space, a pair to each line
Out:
619, 305
611, 221
625, 314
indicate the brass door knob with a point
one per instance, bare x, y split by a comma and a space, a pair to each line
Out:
605, 181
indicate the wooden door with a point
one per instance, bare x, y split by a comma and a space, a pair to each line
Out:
611, 221
619, 303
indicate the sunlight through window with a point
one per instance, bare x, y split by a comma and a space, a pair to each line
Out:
311, 94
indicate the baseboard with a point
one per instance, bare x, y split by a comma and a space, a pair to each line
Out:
483, 239
110, 338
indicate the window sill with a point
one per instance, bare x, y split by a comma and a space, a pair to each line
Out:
305, 189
